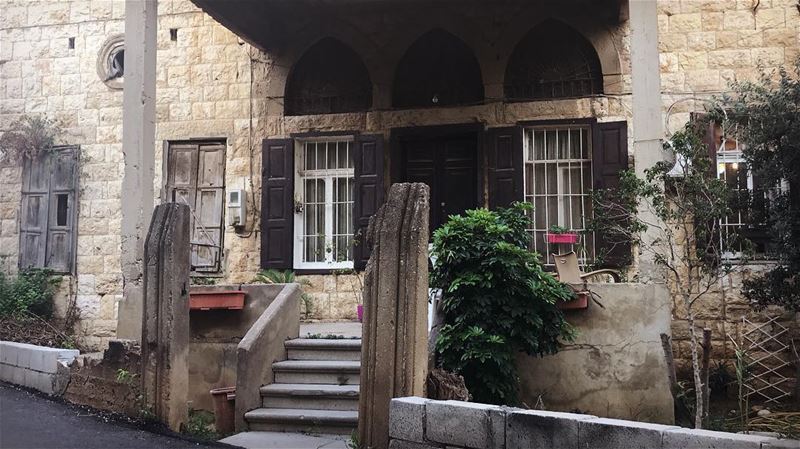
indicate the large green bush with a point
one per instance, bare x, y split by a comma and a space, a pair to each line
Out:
497, 300
29, 291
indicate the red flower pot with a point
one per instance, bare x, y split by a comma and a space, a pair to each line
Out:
581, 302
568, 237
223, 299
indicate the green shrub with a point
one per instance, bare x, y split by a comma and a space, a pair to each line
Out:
497, 300
30, 291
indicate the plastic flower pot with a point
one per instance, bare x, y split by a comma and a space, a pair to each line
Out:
224, 409
360, 311
209, 299
567, 237
579, 303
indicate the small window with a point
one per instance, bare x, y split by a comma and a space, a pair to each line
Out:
324, 198
558, 181
62, 201
71, 43
111, 62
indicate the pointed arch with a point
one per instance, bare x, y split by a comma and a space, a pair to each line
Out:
329, 78
553, 61
438, 69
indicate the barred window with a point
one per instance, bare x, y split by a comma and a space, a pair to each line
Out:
324, 190
558, 182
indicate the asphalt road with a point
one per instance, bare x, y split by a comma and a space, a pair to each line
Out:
30, 421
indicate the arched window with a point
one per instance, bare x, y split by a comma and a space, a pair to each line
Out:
329, 78
553, 61
437, 70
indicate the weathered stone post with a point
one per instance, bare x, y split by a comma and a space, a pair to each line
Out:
394, 353
165, 324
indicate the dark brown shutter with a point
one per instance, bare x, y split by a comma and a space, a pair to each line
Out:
368, 162
505, 166
277, 203
609, 158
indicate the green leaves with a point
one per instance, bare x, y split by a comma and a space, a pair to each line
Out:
31, 291
498, 301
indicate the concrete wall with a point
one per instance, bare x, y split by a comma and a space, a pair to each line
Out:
38, 367
214, 337
615, 367
417, 423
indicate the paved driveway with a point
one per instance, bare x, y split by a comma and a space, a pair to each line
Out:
31, 421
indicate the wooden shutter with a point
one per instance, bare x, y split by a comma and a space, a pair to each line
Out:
505, 166
209, 201
277, 203
34, 212
609, 158
368, 172
62, 213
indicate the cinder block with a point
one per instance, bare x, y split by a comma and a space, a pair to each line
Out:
18, 375
23, 357
402, 444
407, 419
37, 360
602, 433
534, 429
781, 444
707, 439
5, 372
464, 424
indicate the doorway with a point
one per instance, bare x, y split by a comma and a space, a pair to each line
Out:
448, 163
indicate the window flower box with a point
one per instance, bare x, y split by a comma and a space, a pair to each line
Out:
222, 299
579, 303
566, 238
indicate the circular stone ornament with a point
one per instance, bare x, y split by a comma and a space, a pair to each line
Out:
111, 61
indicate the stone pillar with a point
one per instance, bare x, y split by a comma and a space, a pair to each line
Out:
138, 148
394, 353
165, 323
648, 127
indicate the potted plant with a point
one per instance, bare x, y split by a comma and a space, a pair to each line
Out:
580, 302
560, 234
202, 299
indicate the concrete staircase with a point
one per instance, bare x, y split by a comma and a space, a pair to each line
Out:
315, 390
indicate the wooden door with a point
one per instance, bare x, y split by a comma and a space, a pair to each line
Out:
448, 165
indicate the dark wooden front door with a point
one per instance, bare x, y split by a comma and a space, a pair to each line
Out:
448, 165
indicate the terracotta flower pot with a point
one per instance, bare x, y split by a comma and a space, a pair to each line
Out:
225, 299
567, 237
579, 303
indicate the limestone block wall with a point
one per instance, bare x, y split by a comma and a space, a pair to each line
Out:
705, 45
333, 297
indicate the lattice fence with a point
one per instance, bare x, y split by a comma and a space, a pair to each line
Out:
768, 356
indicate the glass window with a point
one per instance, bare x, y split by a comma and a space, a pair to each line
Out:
324, 231
558, 180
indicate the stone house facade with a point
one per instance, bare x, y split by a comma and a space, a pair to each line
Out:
321, 109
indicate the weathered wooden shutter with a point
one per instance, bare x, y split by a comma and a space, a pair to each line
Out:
368, 164
277, 203
209, 201
505, 166
62, 213
34, 212
609, 158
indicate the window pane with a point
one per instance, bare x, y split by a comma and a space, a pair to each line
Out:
311, 156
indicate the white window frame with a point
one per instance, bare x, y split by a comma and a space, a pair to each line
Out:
587, 254
300, 218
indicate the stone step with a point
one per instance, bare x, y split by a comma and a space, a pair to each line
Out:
302, 420
323, 349
310, 396
338, 372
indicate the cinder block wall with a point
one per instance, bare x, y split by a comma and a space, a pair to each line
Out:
417, 423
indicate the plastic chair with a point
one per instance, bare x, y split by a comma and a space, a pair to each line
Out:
569, 271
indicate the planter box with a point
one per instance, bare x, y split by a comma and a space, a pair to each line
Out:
579, 303
224, 299
568, 238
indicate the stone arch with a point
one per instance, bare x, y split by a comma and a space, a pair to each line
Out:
606, 43
329, 78
552, 61
438, 69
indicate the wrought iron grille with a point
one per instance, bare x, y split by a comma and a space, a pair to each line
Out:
553, 61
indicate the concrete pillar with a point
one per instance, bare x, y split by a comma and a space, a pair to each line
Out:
394, 352
138, 148
647, 110
165, 322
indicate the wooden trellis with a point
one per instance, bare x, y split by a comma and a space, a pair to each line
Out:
767, 356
